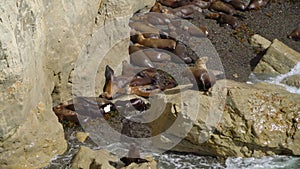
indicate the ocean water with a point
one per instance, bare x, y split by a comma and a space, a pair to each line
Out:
277, 79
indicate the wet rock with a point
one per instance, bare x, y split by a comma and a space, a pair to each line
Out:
293, 80
40, 46
279, 59
238, 119
87, 158
151, 164
81, 136
259, 41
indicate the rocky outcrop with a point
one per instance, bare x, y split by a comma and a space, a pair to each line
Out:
101, 159
87, 158
279, 59
41, 43
239, 120
260, 42
293, 80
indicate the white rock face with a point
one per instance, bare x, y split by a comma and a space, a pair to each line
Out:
40, 44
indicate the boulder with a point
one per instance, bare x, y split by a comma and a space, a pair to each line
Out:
239, 120
101, 159
259, 42
279, 59
87, 158
42, 45
293, 81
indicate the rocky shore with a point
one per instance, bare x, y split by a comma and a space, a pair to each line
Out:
50, 55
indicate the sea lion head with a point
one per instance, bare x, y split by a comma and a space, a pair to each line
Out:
201, 62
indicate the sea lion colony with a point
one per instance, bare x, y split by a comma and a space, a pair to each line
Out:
160, 37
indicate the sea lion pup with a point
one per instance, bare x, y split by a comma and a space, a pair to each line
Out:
257, 4
204, 78
156, 43
295, 34
222, 7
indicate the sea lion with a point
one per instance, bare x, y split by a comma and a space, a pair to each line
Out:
132, 104
113, 85
204, 78
175, 3
127, 160
157, 56
157, 7
222, 7
194, 31
201, 4
223, 19
156, 43
143, 27
257, 4
91, 107
295, 34
139, 58
181, 52
237, 4
130, 70
185, 12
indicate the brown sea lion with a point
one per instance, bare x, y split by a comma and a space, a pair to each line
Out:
257, 4
185, 12
143, 27
224, 19
295, 34
201, 4
222, 7
157, 56
82, 106
130, 70
204, 78
113, 85
194, 31
175, 3
156, 43
182, 53
139, 58
237, 4
157, 7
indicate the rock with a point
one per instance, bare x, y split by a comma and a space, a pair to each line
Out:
239, 120
87, 158
293, 80
279, 59
29, 133
41, 51
259, 42
152, 164
81, 136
